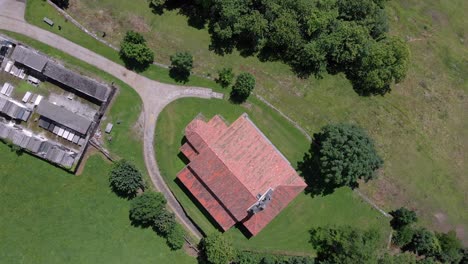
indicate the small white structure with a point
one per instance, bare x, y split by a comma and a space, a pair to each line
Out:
109, 128
60, 133
26, 97
7, 89
32, 80
38, 100
65, 134
8, 66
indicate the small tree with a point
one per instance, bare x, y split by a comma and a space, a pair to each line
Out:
345, 154
451, 248
125, 179
244, 85
181, 65
175, 238
164, 222
217, 249
424, 242
403, 258
402, 217
225, 77
134, 52
145, 208
403, 236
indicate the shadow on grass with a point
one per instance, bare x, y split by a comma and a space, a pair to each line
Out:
309, 169
179, 76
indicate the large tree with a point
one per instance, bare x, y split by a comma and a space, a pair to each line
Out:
125, 179
345, 153
424, 242
175, 238
134, 51
217, 249
164, 222
451, 248
345, 245
402, 217
242, 88
181, 65
145, 208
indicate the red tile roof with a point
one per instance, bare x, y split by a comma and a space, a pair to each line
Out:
230, 166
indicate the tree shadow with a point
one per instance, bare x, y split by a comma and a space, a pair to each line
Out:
121, 194
309, 169
133, 65
196, 16
178, 75
140, 224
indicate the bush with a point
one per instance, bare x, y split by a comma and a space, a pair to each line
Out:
125, 179
451, 248
164, 222
403, 236
225, 77
424, 242
217, 249
134, 52
145, 208
175, 238
181, 65
244, 85
402, 217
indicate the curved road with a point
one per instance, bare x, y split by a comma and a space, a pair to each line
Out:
155, 95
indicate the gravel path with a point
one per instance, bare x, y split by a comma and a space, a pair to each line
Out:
155, 95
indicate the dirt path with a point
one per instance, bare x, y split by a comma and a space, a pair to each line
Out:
155, 95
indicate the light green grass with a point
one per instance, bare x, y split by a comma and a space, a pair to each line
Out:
50, 216
288, 233
420, 128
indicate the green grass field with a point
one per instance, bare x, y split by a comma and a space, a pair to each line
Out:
420, 128
50, 216
288, 233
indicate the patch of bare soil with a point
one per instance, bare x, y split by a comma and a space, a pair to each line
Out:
441, 223
190, 250
138, 23
438, 18
382, 190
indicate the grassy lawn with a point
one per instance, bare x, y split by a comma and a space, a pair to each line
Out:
289, 231
50, 216
420, 128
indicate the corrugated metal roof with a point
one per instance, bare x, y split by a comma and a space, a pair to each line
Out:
64, 117
29, 57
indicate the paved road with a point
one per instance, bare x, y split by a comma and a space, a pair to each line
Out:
155, 95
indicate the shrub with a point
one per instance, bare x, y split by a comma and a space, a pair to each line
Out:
175, 238
244, 85
145, 208
403, 236
225, 77
181, 65
125, 179
217, 249
134, 52
402, 217
164, 222
424, 242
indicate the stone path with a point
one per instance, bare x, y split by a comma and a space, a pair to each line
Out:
155, 95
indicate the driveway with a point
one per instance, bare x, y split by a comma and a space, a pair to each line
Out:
155, 95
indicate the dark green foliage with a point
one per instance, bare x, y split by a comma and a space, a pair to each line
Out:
428, 260
175, 238
342, 153
145, 208
402, 217
157, 5
245, 257
164, 222
381, 64
451, 248
268, 259
181, 65
225, 77
63, 4
125, 179
217, 249
403, 258
244, 85
345, 245
310, 36
424, 242
134, 52
464, 253
403, 236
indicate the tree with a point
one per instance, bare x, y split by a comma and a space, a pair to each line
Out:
164, 222
404, 258
242, 88
383, 63
424, 242
145, 208
134, 52
402, 217
345, 154
175, 238
225, 77
403, 236
451, 248
157, 5
125, 179
181, 65
217, 249
345, 245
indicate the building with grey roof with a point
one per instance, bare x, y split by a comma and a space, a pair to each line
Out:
14, 109
29, 58
64, 117
77, 82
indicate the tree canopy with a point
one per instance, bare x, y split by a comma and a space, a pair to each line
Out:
181, 65
424, 242
345, 153
217, 249
451, 248
225, 77
125, 179
145, 208
164, 222
345, 245
242, 88
312, 36
134, 51
402, 217
175, 238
